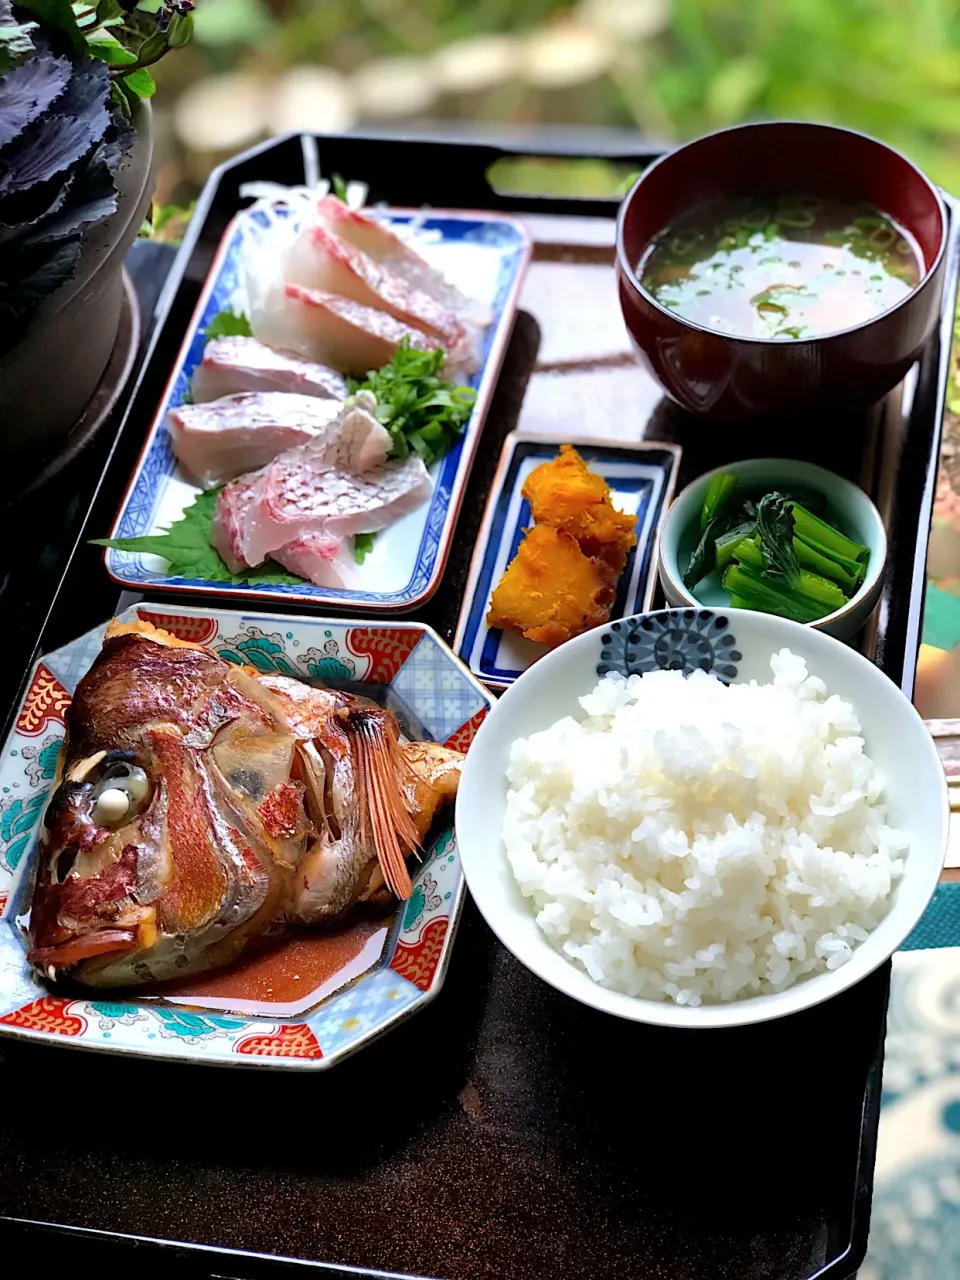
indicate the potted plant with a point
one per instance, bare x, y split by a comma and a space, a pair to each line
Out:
75, 184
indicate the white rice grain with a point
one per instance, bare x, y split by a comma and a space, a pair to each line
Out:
695, 842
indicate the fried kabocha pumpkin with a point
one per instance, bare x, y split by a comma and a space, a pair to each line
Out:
551, 590
563, 578
567, 495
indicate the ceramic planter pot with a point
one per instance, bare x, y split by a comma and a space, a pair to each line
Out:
48, 379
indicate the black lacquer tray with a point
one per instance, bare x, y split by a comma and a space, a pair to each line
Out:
505, 1131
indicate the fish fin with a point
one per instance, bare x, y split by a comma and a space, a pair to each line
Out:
384, 816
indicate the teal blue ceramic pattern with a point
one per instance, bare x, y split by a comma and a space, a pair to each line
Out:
415, 672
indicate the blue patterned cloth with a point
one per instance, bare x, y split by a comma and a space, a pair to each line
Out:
915, 1226
940, 925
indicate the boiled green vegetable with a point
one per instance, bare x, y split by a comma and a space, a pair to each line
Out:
719, 493
817, 531
774, 554
775, 532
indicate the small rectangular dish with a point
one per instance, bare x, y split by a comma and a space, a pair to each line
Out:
641, 476
354, 981
485, 255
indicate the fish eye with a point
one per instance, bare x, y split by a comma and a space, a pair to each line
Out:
120, 793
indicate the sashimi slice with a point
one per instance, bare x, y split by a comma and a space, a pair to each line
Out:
329, 562
293, 499
319, 260
229, 522
385, 247
232, 365
354, 439
224, 438
243, 528
328, 489
334, 330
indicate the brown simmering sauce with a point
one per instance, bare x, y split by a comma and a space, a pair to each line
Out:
287, 971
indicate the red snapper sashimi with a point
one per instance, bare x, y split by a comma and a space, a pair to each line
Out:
224, 438
320, 558
301, 506
234, 364
385, 247
319, 260
339, 332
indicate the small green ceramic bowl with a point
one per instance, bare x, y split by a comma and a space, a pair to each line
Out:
848, 509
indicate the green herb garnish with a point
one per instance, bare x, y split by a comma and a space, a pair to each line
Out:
363, 545
186, 548
423, 412
228, 324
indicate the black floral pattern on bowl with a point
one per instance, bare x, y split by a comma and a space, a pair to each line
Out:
674, 640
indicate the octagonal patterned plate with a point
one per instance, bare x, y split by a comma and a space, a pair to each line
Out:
317, 996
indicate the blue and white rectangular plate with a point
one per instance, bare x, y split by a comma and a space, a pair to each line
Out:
398, 968
641, 477
485, 256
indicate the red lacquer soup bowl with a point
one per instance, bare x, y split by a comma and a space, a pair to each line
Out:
737, 379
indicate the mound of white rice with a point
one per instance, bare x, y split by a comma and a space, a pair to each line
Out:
696, 842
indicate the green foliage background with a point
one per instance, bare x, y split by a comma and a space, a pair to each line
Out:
889, 67
681, 67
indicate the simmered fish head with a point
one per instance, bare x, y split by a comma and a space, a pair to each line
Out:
174, 822
199, 804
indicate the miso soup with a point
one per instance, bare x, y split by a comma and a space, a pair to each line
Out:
784, 267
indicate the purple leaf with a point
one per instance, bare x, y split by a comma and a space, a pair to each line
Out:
56, 13
117, 140
92, 197
17, 216
75, 121
27, 91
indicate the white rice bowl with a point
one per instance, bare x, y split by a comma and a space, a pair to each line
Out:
700, 843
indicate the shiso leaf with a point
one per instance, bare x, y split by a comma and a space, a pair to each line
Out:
50, 145
363, 545
227, 324
186, 548
27, 91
